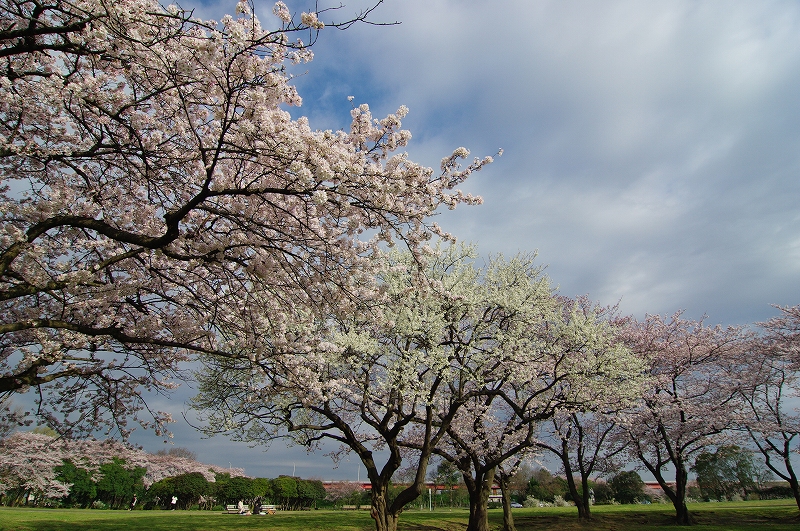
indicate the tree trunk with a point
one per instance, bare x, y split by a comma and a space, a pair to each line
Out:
792, 478
586, 499
795, 489
678, 499
508, 518
479, 489
385, 520
677, 496
583, 512
682, 515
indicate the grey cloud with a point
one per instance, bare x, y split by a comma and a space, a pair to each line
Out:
651, 149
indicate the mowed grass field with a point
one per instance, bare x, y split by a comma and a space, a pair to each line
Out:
778, 515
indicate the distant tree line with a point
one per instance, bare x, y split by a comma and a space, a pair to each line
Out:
728, 473
42, 470
192, 489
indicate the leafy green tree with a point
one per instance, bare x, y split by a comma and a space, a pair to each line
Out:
117, 485
579, 489
285, 489
83, 490
726, 472
262, 488
545, 486
628, 487
776, 492
45, 430
189, 487
448, 476
232, 489
309, 491
159, 493
602, 493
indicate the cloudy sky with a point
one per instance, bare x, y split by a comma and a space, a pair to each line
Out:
651, 149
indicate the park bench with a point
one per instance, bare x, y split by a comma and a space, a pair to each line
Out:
234, 509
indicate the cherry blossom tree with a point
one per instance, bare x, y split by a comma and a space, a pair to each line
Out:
393, 376
159, 201
28, 468
344, 492
585, 437
482, 438
586, 443
769, 380
691, 399
570, 360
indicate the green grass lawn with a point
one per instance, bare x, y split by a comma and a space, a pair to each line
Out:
752, 516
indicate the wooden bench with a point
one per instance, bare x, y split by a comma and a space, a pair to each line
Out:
234, 509
268, 509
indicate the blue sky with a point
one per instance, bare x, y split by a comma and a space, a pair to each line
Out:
651, 149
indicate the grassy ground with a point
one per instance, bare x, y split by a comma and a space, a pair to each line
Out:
746, 516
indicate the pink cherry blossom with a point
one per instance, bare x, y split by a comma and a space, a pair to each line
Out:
158, 201
769, 382
692, 399
28, 463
